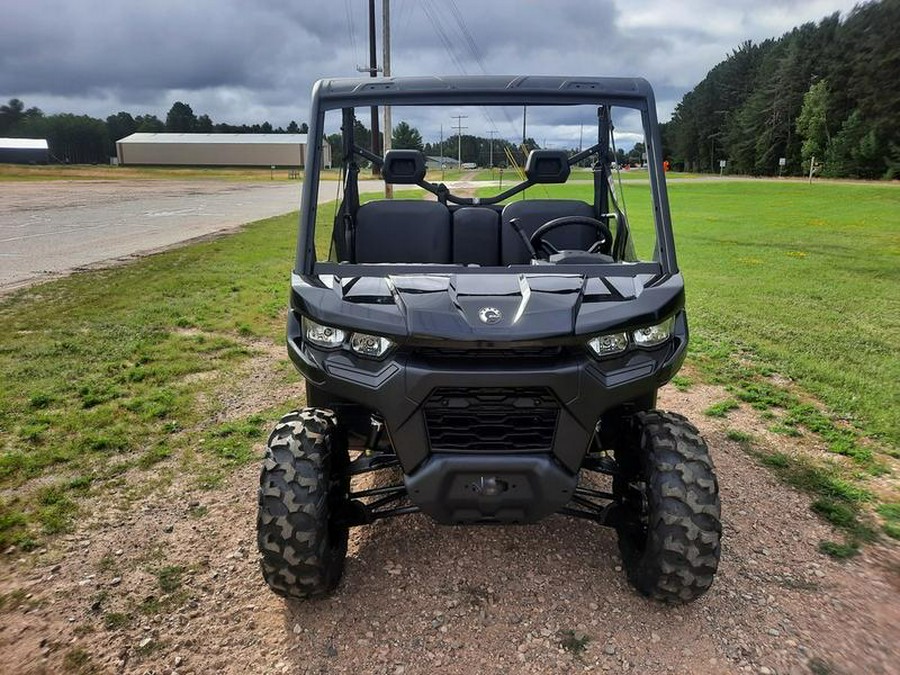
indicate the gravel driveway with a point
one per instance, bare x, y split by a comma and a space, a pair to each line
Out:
54, 227
421, 598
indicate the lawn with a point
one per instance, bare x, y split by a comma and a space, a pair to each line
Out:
804, 277
111, 371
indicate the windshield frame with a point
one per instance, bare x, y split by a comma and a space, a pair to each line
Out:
635, 94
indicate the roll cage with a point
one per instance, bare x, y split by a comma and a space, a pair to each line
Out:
348, 94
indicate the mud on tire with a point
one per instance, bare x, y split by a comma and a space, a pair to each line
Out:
670, 541
302, 485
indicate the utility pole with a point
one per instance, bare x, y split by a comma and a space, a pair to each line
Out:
373, 72
386, 63
459, 130
442, 153
492, 150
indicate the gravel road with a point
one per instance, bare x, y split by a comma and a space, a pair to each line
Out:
421, 598
54, 227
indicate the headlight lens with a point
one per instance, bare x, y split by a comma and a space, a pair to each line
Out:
323, 336
613, 343
654, 335
373, 346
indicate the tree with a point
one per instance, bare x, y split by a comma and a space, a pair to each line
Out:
265, 128
204, 124
812, 123
11, 114
636, 155
149, 124
406, 137
292, 128
855, 151
181, 118
120, 125
76, 139
304, 128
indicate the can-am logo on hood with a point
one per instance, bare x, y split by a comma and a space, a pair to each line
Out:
490, 315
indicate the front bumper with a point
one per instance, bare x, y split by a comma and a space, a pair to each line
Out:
399, 387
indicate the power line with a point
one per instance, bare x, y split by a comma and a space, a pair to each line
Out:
352, 30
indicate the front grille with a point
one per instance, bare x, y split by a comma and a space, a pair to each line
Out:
491, 419
503, 353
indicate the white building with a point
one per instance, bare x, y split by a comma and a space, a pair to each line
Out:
23, 151
280, 150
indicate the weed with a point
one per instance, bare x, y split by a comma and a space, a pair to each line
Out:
722, 408
785, 430
150, 606
56, 511
233, 441
682, 382
154, 455
116, 620
839, 514
198, 511
574, 642
891, 514
77, 660
763, 395
738, 436
83, 629
819, 666
169, 578
12, 600
40, 400
839, 551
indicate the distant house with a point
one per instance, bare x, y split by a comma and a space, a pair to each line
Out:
281, 150
24, 151
435, 162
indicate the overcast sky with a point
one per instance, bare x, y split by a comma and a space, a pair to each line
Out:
247, 61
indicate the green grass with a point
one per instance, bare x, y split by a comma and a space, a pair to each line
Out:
890, 513
99, 371
738, 436
722, 408
802, 278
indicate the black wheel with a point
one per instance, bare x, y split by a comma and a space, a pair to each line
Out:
671, 531
303, 484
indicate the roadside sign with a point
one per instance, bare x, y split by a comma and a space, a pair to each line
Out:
782, 161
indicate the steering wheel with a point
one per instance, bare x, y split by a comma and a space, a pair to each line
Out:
538, 240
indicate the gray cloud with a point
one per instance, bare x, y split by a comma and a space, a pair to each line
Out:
245, 61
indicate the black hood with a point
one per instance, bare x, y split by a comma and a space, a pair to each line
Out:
488, 307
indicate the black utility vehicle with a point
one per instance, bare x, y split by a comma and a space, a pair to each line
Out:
500, 350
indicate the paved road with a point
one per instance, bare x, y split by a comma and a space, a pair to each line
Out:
51, 228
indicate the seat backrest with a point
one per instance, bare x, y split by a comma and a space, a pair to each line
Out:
403, 231
476, 236
532, 213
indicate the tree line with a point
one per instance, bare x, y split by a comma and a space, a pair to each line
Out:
81, 139
479, 150
827, 93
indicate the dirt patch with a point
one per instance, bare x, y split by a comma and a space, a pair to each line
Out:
170, 583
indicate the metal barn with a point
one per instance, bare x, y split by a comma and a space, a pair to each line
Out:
281, 150
23, 151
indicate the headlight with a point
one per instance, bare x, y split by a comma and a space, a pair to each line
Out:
654, 335
323, 336
604, 345
373, 346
